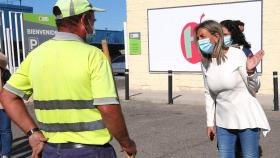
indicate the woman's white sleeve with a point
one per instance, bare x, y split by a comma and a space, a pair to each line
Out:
252, 82
209, 104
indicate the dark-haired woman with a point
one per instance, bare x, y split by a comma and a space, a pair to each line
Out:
234, 37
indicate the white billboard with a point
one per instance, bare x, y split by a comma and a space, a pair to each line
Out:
171, 45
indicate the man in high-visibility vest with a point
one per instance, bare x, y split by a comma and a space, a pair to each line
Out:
75, 100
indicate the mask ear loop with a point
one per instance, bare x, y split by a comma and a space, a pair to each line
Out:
89, 36
86, 20
90, 25
86, 25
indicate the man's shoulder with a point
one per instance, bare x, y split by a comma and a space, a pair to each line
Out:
80, 45
91, 47
43, 45
37, 49
76, 44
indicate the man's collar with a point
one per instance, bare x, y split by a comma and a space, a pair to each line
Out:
66, 36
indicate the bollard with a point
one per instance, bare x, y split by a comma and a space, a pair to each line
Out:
275, 87
170, 99
126, 84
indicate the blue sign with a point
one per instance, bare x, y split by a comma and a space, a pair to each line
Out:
112, 37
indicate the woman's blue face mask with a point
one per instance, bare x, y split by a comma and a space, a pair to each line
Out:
206, 46
227, 40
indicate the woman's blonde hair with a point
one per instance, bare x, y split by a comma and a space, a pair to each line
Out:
214, 28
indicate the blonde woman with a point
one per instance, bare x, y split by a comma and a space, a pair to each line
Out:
230, 83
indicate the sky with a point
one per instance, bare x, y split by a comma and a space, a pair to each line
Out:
112, 19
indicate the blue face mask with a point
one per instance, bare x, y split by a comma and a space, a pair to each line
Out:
206, 46
227, 40
90, 38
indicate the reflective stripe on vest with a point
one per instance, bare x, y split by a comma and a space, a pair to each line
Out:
72, 127
68, 105
64, 104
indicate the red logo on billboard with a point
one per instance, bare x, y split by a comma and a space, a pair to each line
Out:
189, 49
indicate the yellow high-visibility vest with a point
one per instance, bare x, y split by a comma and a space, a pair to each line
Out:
68, 80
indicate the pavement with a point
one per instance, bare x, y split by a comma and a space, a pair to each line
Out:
183, 97
161, 130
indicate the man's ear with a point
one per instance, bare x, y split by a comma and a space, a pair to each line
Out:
83, 19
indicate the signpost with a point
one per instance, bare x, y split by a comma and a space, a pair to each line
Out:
38, 28
135, 43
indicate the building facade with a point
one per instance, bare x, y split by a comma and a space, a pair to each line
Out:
144, 79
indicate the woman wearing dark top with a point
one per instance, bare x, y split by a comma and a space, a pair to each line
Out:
234, 37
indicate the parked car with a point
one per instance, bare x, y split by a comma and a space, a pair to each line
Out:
118, 65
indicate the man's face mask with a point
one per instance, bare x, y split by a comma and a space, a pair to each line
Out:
227, 40
206, 46
90, 37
